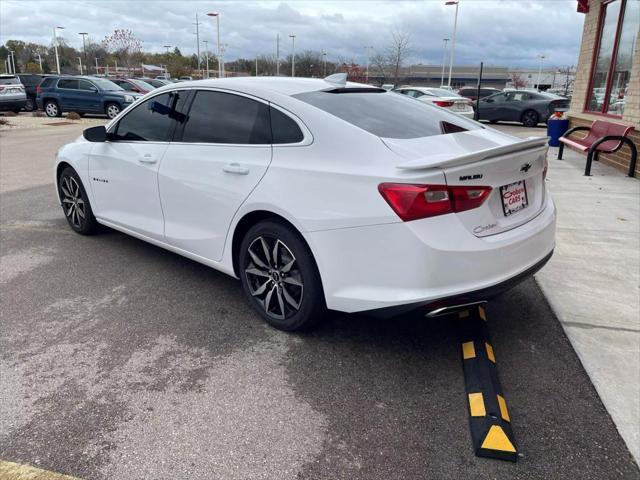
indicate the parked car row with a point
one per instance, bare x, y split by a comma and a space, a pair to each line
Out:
525, 106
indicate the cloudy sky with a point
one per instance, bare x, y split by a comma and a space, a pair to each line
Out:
498, 32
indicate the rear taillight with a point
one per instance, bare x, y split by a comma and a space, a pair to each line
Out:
38, 89
411, 202
443, 103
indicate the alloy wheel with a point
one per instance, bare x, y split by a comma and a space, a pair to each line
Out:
74, 205
113, 111
51, 109
273, 277
530, 119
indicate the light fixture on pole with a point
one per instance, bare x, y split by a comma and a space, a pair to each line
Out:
167, 47
84, 47
368, 49
541, 57
444, 59
55, 47
293, 54
453, 42
217, 15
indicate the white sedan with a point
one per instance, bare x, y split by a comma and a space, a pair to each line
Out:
440, 97
317, 194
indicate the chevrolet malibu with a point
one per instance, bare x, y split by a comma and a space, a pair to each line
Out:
317, 194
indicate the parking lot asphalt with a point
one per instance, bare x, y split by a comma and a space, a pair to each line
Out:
121, 360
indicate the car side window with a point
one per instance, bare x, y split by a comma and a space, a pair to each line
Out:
152, 120
85, 85
283, 128
217, 117
69, 83
520, 97
497, 98
126, 86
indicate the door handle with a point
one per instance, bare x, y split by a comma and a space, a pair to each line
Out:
235, 168
147, 159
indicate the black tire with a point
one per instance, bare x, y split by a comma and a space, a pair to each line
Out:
112, 110
493, 121
295, 281
30, 106
530, 118
16, 111
75, 203
52, 109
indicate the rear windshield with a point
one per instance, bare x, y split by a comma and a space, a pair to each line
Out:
387, 114
9, 80
442, 92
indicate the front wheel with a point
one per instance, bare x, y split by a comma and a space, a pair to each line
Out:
280, 277
530, 118
112, 110
75, 203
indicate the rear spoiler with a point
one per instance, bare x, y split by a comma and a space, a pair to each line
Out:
451, 159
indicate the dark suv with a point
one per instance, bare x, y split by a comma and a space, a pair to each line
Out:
30, 82
82, 95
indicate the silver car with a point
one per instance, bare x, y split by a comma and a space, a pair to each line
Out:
12, 94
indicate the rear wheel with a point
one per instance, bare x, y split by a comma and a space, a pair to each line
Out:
30, 106
493, 121
112, 110
75, 203
530, 118
51, 109
280, 277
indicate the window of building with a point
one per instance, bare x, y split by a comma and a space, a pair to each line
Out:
618, 37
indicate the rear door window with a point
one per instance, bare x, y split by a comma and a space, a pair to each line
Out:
68, 83
153, 120
217, 117
386, 114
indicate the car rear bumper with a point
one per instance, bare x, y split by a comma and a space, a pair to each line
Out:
7, 104
431, 261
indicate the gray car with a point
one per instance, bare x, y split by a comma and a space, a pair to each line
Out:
526, 107
12, 95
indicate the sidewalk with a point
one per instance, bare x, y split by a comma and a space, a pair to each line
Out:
592, 280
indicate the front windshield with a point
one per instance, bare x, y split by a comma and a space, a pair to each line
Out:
108, 85
441, 92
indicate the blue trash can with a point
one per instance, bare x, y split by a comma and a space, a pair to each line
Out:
555, 129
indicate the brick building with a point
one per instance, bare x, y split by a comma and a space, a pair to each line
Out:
607, 84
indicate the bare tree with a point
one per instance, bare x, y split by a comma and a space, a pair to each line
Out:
378, 66
124, 47
398, 51
567, 82
518, 81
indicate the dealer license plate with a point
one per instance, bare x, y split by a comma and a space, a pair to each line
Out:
514, 197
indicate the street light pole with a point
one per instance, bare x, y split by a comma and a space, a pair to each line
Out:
84, 47
444, 59
324, 63
55, 47
453, 42
277, 54
541, 57
96, 65
368, 49
206, 52
40, 61
197, 24
80, 64
12, 61
217, 15
293, 54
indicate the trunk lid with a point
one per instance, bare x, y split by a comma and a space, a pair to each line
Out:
512, 167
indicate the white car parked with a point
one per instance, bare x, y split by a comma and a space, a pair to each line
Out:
440, 97
317, 194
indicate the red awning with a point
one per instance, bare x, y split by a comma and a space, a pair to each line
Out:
583, 6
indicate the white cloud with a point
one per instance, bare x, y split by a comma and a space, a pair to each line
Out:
498, 32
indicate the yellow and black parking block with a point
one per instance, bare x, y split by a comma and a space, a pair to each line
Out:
489, 419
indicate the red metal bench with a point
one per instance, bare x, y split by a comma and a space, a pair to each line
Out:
605, 137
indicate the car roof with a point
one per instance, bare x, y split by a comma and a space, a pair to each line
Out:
268, 85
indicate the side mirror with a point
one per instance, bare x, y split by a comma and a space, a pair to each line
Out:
95, 134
